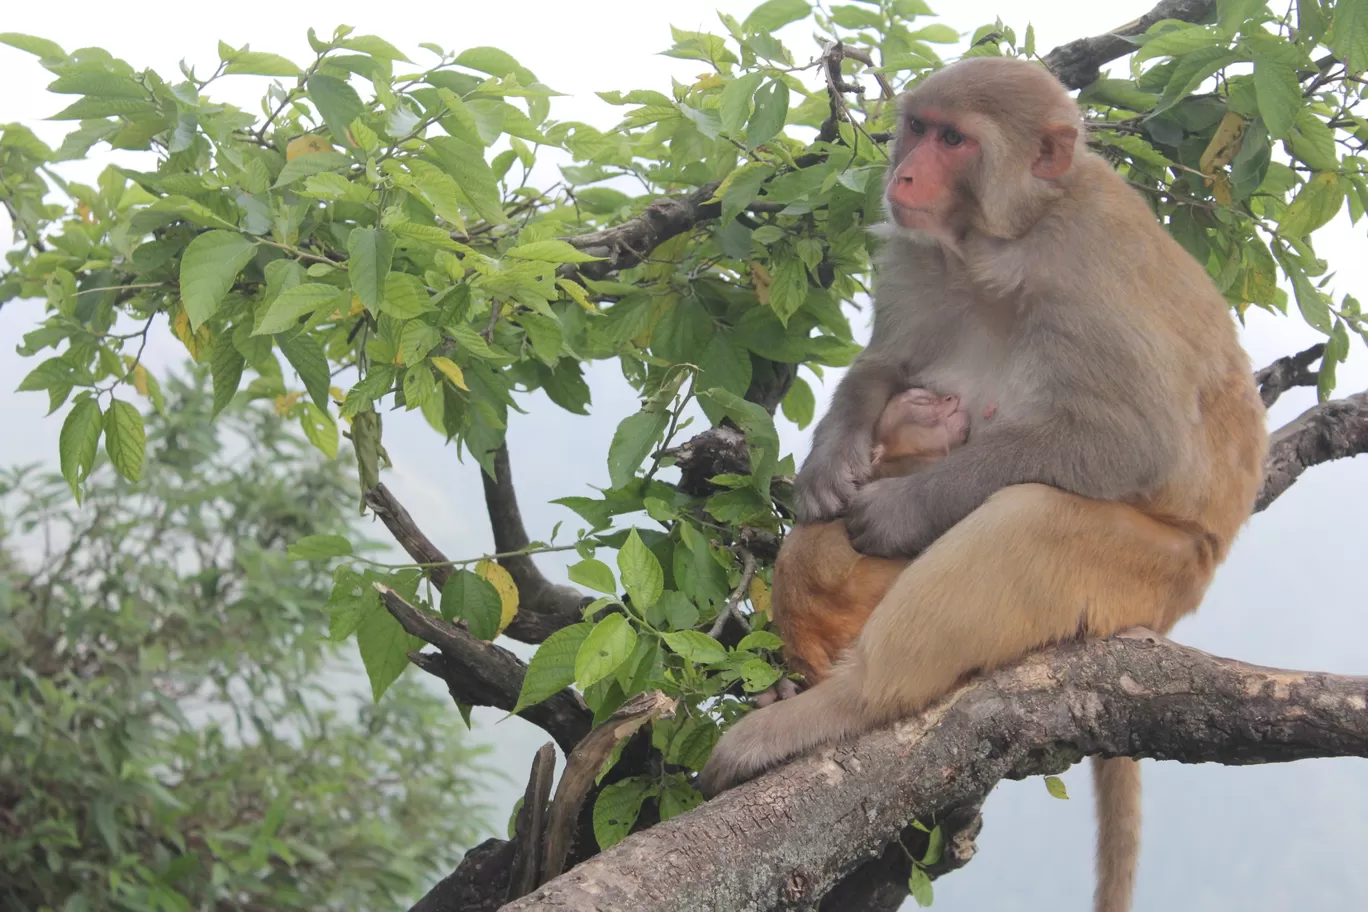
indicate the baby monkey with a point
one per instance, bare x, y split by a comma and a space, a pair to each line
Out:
824, 590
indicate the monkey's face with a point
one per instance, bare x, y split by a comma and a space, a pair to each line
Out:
934, 159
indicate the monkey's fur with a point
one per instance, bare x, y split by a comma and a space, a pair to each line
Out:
1024, 276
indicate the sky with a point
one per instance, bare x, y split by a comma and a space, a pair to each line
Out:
1216, 838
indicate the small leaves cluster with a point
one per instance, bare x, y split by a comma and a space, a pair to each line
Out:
372, 239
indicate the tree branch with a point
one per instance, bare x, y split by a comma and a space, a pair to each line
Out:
1079, 63
483, 674
544, 606
1325, 432
814, 820
1288, 372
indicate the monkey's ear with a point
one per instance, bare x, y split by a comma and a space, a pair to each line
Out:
1056, 151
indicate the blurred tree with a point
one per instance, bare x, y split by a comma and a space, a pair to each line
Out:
172, 736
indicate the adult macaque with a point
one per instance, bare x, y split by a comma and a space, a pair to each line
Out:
1025, 277
824, 590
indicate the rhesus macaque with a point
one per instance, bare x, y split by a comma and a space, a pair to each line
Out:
824, 590
1024, 276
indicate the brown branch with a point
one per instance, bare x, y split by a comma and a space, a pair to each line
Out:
1323, 433
1078, 63
814, 820
544, 607
531, 825
483, 674
1288, 372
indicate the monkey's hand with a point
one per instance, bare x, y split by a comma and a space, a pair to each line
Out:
829, 479
888, 518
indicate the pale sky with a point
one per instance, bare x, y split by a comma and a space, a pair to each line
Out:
1216, 838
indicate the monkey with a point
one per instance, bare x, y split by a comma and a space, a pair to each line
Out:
824, 590
1121, 453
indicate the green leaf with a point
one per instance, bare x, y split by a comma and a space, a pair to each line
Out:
679, 611
1318, 201
469, 597
605, 648
935, 846
376, 47
39, 47
1349, 34
290, 305
734, 104
405, 296
788, 288
724, 364
632, 442
774, 14
370, 253
800, 405
210, 264
552, 667
919, 885
384, 647
125, 438
225, 370
595, 574
1312, 141
642, 575
337, 103
760, 639
79, 441
464, 161
420, 387
545, 335
258, 63
550, 251
741, 187
307, 358
417, 339
1055, 786
696, 646
1179, 41
677, 798
771, 110
309, 164
757, 675
1279, 95
616, 809
320, 428
319, 547
495, 62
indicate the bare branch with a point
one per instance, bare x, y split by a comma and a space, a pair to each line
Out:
1078, 63
1325, 432
531, 824
1288, 372
814, 820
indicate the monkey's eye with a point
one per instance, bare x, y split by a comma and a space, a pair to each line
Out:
951, 137
915, 126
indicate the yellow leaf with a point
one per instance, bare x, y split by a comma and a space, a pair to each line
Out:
576, 290
498, 577
197, 343
760, 596
760, 278
709, 81
452, 371
84, 212
1225, 142
1220, 189
140, 380
283, 404
356, 306
306, 144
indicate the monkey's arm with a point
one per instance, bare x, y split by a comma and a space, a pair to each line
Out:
840, 459
900, 517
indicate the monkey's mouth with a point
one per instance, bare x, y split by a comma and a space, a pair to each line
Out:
912, 218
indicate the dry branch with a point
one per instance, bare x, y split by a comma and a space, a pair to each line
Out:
785, 839
1323, 433
1288, 372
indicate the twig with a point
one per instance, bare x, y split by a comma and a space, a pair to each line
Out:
739, 593
1288, 372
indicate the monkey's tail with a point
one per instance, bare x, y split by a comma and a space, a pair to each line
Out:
1117, 784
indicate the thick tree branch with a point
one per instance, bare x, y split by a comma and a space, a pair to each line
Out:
810, 822
1325, 432
483, 674
1079, 63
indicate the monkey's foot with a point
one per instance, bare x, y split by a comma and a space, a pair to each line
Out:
782, 691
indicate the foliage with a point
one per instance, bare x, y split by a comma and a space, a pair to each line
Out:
379, 220
170, 736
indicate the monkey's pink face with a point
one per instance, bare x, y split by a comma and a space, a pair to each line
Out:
933, 157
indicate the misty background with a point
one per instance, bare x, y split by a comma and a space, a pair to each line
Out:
1216, 838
